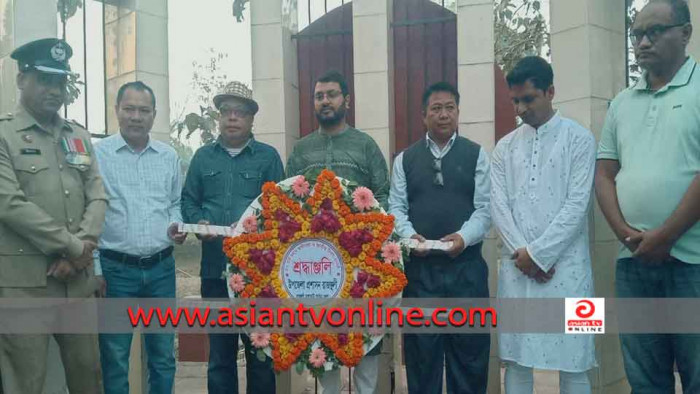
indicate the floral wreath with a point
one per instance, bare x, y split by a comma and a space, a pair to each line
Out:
337, 211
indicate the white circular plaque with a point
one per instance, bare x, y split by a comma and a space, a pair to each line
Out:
312, 268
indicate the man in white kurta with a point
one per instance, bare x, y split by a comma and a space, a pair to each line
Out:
541, 182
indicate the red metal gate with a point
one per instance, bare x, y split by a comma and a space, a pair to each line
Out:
326, 44
425, 52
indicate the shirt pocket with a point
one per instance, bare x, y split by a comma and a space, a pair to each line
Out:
33, 175
213, 182
251, 183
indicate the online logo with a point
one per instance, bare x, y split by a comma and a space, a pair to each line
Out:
584, 315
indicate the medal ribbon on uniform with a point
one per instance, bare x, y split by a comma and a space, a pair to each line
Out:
77, 151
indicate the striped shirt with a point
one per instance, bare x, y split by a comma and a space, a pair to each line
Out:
144, 191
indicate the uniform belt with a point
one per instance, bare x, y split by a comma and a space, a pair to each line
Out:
141, 261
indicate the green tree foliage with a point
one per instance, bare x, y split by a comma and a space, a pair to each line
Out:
207, 80
66, 9
519, 30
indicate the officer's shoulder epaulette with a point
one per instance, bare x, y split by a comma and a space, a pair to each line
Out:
76, 123
6, 117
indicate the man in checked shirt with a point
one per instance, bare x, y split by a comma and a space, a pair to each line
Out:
143, 181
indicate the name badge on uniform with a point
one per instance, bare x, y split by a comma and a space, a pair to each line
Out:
77, 151
30, 151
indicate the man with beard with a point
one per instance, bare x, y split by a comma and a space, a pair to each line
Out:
222, 181
648, 187
352, 155
52, 205
337, 146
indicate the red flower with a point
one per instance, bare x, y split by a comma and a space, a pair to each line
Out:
287, 226
343, 339
292, 337
325, 221
327, 204
357, 290
373, 281
267, 292
263, 259
352, 241
362, 277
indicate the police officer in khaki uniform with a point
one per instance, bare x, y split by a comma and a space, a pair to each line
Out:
52, 206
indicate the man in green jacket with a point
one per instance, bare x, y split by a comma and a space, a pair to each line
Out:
352, 155
223, 179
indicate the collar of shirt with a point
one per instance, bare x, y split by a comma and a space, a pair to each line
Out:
26, 121
250, 144
120, 143
681, 78
435, 148
320, 132
550, 125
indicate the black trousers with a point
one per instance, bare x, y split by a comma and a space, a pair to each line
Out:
222, 372
464, 356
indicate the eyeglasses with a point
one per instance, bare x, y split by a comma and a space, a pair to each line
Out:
239, 112
653, 33
437, 167
331, 94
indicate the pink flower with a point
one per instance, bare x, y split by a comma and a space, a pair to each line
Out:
236, 283
250, 224
317, 358
300, 187
343, 339
391, 252
363, 198
260, 339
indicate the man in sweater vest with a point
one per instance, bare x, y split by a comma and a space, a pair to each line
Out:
444, 170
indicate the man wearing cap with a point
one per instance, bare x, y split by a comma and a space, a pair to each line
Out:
143, 180
223, 179
52, 205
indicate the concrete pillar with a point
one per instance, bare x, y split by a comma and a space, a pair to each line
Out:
588, 56
276, 89
477, 116
275, 74
373, 66
136, 36
475, 71
694, 47
21, 22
